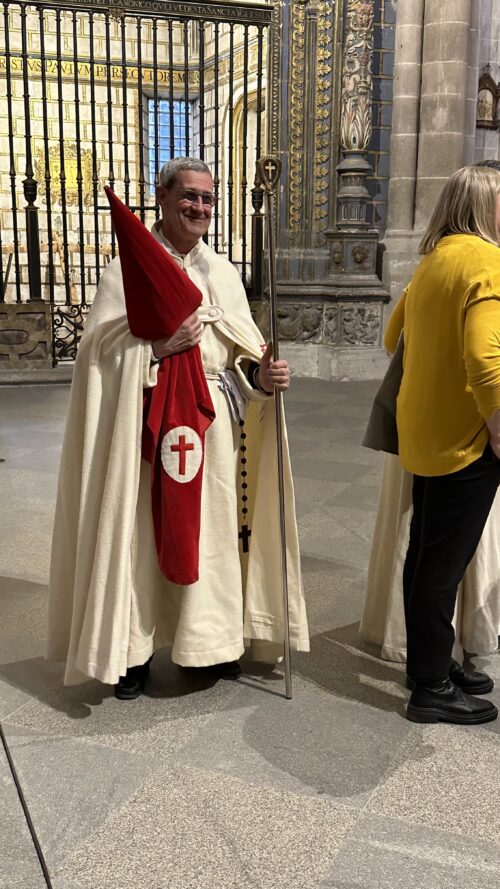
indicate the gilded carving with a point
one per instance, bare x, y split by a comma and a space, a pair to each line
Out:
71, 174
100, 71
275, 66
322, 135
296, 115
322, 65
357, 81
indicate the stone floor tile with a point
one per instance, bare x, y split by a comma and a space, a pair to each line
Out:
321, 537
21, 681
23, 606
19, 865
445, 775
312, 493
345, 666
15, 647
174, 708
265, 739
195, 829
328, 470
383, 853
357, 497
331, 587
71, 787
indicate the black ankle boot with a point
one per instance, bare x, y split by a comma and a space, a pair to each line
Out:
471, 681
446, 702
132, 684
226, 670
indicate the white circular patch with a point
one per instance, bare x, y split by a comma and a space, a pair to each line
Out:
181, 453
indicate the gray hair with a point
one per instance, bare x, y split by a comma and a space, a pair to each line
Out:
169, 170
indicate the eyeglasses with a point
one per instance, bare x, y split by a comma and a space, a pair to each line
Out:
192, 197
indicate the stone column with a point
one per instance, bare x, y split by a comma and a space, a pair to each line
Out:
436, 47
443, 100
405, 115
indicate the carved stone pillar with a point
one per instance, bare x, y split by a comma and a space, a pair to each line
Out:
356, 115
330, 296
435, 84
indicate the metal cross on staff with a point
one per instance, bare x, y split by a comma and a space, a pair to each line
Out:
268, 174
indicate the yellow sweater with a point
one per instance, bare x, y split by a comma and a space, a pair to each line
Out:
450, 315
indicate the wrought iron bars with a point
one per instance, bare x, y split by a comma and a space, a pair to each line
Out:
98, 72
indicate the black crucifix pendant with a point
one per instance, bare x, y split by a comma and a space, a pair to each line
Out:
245, 532
244, 536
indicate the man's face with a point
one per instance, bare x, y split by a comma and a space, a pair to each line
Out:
186, 209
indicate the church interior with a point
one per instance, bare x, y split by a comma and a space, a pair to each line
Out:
369, 106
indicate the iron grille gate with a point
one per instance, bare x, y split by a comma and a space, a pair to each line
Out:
104, 93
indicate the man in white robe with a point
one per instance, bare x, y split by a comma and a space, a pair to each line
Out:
110, 606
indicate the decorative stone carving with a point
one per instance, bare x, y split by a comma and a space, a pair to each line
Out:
296, 115
331, 325
322, 129
487, 114
300, 323
336, 257
357, 81
356, 113
311, 62
361, 325
25, 336
360, 256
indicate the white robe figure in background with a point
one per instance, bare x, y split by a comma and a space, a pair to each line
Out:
477, 616
110, 606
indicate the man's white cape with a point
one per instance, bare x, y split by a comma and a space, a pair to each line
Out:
92, 562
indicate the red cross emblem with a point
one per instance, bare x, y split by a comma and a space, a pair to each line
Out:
176, 445
181, 447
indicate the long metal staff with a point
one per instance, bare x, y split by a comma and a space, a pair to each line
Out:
268, 174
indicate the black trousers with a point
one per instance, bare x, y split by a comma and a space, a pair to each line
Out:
449, 514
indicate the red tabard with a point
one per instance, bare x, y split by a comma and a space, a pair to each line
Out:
177, 413
159, 296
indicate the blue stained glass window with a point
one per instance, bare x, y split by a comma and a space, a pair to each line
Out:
162, 133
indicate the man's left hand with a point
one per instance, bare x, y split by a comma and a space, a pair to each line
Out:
273, 374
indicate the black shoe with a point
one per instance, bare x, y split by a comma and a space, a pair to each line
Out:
471, 681
227, 670
132, 684
446, 702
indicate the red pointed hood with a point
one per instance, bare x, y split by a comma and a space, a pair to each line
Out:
159, 296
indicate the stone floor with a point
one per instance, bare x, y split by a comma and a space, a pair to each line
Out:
229, 785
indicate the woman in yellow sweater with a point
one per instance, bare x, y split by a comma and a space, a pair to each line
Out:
448, 416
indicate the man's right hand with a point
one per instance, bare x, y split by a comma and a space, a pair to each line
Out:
185, 337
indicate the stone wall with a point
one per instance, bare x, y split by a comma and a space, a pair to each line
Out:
433, 133
378, 152
442, 46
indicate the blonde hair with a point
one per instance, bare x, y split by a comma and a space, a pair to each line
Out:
467, 205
